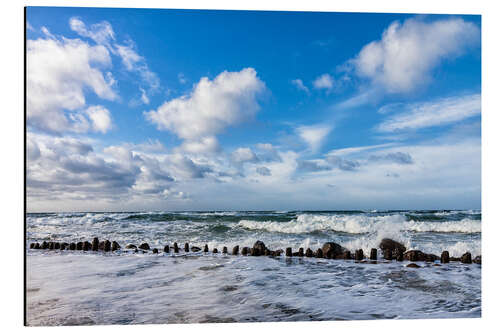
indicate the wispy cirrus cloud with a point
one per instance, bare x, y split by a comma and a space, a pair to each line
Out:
435, 113
103, 34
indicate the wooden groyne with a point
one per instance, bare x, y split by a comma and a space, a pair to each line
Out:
390, 250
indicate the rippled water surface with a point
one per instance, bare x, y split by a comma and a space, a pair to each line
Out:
77, 288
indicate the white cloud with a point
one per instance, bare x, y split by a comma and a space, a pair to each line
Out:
324, 81
136, 63
213, 105
182, 79
300, 85
129, 57
100, 117
144, 96
353, 150
101, 33
242, 155
435, 113
208, 144
314, 135
58, 73
263, 171
407, 53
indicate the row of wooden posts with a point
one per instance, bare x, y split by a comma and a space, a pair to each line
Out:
329, 250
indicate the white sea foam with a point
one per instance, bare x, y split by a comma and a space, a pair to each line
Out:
360, 224
464, 226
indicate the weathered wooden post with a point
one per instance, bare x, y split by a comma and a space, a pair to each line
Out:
115, 246
388, 254
288, 251
95, 244
466, 258
358, 255
445, 257
399, 254
373, 254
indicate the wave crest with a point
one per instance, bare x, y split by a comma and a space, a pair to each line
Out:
359, 224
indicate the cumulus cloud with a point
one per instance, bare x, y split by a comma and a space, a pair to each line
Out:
435, 113
324, 81
243, 155
266, 152
263, 171
100, 117
300, 85
313, 135
405, 56
213, 105
203, 145
65, 168
187, 168
58, 74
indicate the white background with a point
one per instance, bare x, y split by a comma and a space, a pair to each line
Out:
12, 159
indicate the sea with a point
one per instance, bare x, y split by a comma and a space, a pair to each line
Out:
125, 287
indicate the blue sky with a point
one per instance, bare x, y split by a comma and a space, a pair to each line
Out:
183, 109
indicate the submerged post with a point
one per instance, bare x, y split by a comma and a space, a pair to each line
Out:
373, 254
358, 255
445, 257
95, 244
388, 254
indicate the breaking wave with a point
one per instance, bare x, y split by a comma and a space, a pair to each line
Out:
361, 224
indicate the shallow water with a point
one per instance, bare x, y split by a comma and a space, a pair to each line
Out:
76, 288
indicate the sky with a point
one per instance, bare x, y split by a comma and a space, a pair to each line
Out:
140, 109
